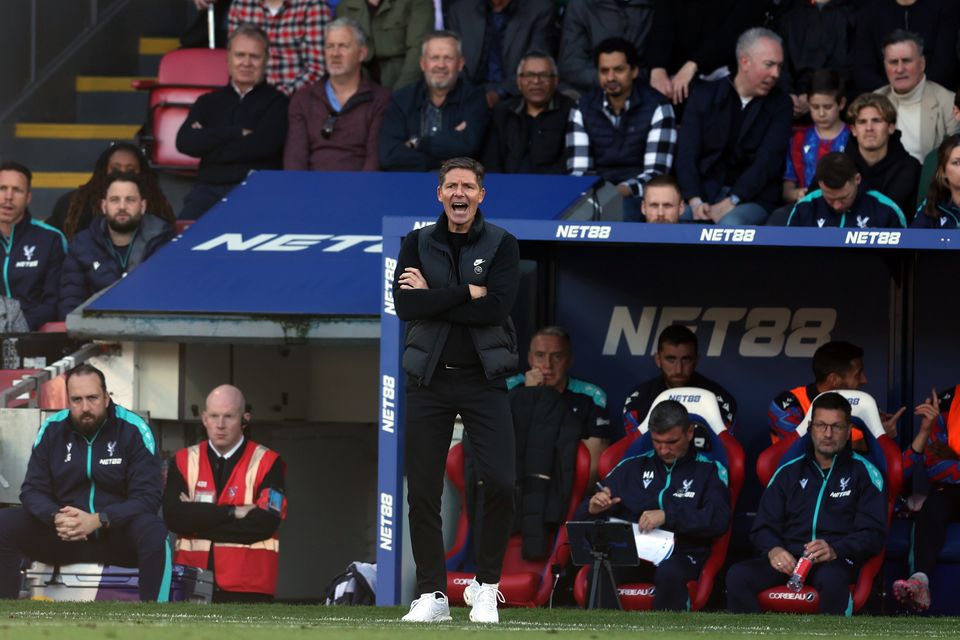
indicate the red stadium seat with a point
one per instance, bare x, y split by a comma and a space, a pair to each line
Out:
703, 409
184, 76
883, 453
523, 583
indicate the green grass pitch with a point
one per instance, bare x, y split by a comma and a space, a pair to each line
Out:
25, 620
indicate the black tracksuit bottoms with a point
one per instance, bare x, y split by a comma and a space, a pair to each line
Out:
430, 414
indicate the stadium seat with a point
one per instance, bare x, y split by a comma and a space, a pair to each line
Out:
184, 76
712, 439
882, 452
523, 583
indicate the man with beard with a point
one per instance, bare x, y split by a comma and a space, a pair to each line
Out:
91, 493
114, 244
437, 118
622, 130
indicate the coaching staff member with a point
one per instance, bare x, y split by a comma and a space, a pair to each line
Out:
457, 284
91, 493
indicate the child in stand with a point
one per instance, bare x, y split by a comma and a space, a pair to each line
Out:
827, 133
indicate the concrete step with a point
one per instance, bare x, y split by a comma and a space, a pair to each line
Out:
151, 50
110, 99
64, 147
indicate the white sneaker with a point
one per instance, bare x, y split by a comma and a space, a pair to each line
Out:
470, 592
484, 597
429, 607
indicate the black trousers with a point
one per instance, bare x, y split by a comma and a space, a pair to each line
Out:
141, 543
669, 579
748, 578
430, 414
940, 508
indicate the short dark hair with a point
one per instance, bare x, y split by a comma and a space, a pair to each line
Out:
667, 415
677, 334
826, 82
19, 168
662, 180
250, 30
832, 401
462, 162
85, 369
901, 35
618, 45
835, 169
834, 357
126, 176
555, 331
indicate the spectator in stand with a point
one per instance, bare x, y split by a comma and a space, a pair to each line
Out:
661, 202
335, 123
847, 528
935, 450
693, 39
395, 29
495, 35
836, 365
883, 163
622, 130
935, 21
676, 357
842, 201
924, 108
237, 129
441, 116
816, 35
735, 136
828, 133
32, 250
587, 23
526, 133
75, 210
940, 208
114, 245
294, 30
550, 357
930, 163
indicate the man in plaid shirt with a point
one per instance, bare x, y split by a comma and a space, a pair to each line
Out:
622, 130
295, 29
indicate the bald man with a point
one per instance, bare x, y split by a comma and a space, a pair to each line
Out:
225, 500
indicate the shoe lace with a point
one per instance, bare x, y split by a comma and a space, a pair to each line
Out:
426, 598
490, 593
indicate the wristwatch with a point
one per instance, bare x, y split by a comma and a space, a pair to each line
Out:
735, 199
104, 520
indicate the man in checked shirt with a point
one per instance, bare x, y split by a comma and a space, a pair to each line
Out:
295, 29
621, 130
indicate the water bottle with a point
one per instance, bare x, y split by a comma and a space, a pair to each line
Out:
795, 583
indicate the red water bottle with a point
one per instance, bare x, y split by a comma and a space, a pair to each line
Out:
795, 583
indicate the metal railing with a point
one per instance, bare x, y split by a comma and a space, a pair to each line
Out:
31, 383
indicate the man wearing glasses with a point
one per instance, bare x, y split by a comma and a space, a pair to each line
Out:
526, 133
829, 505
335, 123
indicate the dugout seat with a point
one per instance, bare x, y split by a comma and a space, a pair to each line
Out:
523, 583
882, 452
184, 76
711, 439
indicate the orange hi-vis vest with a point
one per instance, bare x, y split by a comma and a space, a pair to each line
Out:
953, 423
800, 393
250, 568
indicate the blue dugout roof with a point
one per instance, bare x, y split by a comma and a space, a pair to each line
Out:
295, 248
